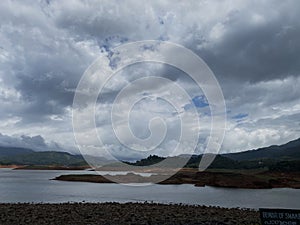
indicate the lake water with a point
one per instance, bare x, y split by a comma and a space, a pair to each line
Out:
35, 186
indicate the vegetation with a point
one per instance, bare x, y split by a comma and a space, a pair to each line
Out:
43, 158
286, 166
150, 160
225, 163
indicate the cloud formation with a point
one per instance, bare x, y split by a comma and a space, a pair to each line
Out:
252, 47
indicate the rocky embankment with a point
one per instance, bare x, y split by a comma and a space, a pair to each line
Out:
262, 180
126, 213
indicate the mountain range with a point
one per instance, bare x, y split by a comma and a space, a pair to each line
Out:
286, 156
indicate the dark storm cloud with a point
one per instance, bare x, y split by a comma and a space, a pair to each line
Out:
43, 63
45, 96
257, 44
49, 79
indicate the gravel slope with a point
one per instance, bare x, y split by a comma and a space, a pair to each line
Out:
126, 213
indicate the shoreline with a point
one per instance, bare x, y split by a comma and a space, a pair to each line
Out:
225, 179
123, 213
51, 168
9, 166
36, 167
215, 178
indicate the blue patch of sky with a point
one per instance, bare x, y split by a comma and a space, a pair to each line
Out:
240, 116
112, 41
199, 101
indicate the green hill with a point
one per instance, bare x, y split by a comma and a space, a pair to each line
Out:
22, 156
276, 158
49, 158
13, 151
288, 151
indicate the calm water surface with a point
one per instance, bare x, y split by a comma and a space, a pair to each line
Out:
36, 186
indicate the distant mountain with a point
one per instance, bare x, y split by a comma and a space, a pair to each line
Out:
49, 158
13, 151
288, 151
24, 156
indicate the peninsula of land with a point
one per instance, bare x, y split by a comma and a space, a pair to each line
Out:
215, 178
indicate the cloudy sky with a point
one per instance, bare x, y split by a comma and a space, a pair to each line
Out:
252, 47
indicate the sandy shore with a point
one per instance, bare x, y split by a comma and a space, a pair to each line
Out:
9, 166
126, 213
